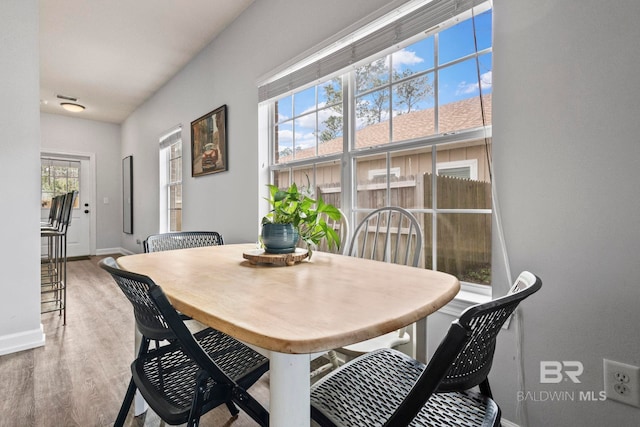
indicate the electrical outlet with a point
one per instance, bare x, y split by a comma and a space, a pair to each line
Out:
622, 382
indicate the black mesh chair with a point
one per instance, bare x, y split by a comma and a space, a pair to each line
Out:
181, 240
388, 388
193, 373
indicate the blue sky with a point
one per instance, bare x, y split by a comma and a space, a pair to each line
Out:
455, 82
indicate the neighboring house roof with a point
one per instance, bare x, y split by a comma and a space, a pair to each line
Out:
454, 116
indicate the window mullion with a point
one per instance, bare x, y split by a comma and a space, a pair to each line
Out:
349, 190
434, 207
436, 86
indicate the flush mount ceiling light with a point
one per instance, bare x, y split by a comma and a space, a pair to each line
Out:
72, 105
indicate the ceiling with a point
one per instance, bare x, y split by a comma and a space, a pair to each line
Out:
112, 55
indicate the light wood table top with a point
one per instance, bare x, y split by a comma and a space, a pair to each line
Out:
315, 305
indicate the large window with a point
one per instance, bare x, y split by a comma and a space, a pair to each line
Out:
410, 127
171, 182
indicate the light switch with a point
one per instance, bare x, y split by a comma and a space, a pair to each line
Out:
105, 200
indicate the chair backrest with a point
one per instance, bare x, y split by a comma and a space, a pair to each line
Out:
390, 234
66, 211
181, 240
463, 358
156, 318
59, 208
136, 288
473, 364
53, 210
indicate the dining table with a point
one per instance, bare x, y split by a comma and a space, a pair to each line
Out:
289, 312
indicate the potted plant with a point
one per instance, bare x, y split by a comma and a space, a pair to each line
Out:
294, 216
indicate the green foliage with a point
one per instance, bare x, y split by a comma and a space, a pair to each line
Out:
333, 124
372, 107
411, 92
305, 213
481, 274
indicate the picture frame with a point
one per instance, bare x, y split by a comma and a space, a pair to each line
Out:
209, 143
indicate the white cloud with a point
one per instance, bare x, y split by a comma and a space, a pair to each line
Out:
405, 57
285, 136
323, 115
308, 121
466, 88
305, 140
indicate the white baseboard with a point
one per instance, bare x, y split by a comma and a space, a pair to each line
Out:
507, 423
22, 341
110, 251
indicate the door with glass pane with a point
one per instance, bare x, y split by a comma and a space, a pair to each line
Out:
59, 176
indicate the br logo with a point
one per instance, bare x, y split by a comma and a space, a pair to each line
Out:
553, 371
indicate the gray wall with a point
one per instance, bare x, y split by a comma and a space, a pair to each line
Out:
68, 134
19, 176
268, 34
567, 168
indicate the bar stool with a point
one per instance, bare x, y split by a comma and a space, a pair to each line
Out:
54, 266
48, 270
53, 213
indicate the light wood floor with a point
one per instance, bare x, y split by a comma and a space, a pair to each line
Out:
80, 376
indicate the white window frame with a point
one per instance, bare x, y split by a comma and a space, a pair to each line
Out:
472, 164
167, 141
470, 293
373, 173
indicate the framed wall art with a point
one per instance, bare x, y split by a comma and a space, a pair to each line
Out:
209, 143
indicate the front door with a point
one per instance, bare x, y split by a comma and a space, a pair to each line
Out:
60, 175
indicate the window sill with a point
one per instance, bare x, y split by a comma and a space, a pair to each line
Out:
469, 295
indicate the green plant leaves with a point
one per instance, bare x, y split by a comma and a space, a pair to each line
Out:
305, 213
280, 195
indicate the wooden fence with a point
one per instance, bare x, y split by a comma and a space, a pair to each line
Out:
463, 239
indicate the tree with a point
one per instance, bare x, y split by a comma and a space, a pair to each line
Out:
411, 92
333, 124
370, 76
373, 107
287, 151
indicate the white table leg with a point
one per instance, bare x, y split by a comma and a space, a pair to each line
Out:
139, 405
421, 340
289, 390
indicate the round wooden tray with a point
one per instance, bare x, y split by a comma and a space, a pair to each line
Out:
256, 256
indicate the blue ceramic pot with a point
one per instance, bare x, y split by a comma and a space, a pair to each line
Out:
279, 238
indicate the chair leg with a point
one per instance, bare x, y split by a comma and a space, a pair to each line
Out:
485, 389
196, 405
131, 389
233, 409
250, 406
126, 404
333, 357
